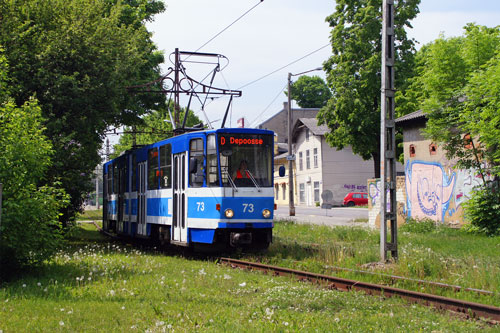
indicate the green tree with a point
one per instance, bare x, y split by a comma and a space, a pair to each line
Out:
353, 72
310, 92
456, 86
77, 57
30, 228
153, 128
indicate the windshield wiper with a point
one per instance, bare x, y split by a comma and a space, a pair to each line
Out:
253, 180
230, 181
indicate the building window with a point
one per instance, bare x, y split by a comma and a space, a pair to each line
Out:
315, 157
308, 160
412, 150
467, 141
302, 192
432, 149
307, 134
276, 191
316, 191
300, 161
283, 187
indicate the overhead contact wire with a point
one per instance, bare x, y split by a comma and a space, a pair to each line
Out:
283, 67
239, 18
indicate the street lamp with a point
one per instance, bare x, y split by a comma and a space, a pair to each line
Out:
291, 156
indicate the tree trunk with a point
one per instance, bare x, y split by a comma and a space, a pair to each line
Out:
376, 163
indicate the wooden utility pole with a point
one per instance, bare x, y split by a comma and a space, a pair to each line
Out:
388, 137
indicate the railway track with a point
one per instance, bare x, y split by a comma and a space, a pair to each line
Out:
464, 308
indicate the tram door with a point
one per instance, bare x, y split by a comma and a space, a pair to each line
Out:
179, 233
141, 199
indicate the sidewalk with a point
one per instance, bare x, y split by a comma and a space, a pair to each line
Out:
321, 220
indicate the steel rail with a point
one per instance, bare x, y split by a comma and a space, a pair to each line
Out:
466, 308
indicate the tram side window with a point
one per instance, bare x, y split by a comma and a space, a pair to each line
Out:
212, 169
115, 178
166, 166
134, 173
196, 156
109, 189
153, 171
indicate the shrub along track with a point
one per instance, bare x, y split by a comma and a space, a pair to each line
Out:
463, 308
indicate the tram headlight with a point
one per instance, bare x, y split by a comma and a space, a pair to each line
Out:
266, 213
229, 213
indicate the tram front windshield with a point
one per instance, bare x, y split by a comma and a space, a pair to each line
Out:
246, 159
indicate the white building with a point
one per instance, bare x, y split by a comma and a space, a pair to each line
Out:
319, 167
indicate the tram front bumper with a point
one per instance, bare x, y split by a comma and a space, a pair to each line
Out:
240, 238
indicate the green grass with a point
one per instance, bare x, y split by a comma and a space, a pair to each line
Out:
95, 285
360, 220
440, 254
95, 215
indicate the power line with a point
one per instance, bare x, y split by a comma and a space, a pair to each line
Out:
267, 107
277, 70
211, 39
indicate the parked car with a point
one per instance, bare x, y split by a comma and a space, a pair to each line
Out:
356, 199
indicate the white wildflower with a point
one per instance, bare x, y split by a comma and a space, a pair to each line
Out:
243, 284
227, 277
61, 323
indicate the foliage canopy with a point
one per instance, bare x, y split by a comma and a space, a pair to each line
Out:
310, 92
30, 228
353, 72
77, 57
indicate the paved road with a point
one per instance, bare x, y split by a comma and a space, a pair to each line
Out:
337, 216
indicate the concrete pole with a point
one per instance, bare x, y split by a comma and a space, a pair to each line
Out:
290, 153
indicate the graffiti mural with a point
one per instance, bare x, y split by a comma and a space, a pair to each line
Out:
374, 202
428, 190
437, 193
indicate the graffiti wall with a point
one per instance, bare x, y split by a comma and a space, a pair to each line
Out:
437, 192
374, 201
428, 190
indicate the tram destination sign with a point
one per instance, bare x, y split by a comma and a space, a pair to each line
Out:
244, 140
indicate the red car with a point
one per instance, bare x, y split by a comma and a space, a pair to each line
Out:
356, 199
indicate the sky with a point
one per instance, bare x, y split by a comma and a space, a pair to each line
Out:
276, 33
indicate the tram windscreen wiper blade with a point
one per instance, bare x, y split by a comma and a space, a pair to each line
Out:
230, 181
253, 180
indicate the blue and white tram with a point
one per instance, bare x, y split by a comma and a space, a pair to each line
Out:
205, 187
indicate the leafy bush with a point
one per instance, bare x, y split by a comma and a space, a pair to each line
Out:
30, 229
422, 226
482, 210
